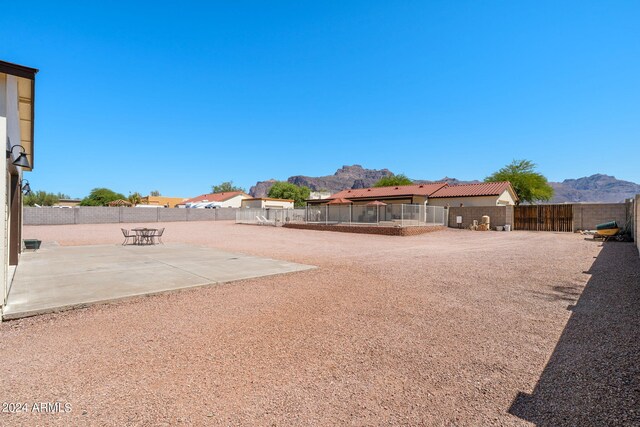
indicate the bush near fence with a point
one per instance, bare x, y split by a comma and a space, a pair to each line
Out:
104, 215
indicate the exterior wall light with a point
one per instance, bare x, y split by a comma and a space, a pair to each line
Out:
22, 160
26, 189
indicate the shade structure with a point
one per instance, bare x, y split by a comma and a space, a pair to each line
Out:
119, 202
340, 201
376, 203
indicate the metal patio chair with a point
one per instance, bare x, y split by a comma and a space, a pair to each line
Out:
128, 235
158, 235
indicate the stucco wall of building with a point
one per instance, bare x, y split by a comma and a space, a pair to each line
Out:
267, 204
234, 202
162, 201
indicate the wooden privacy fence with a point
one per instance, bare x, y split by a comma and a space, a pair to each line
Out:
543, 218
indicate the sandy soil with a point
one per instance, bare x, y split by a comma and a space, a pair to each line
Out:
447, 328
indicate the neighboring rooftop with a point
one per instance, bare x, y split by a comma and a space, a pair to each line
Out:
215, 197
471, 190
399, 190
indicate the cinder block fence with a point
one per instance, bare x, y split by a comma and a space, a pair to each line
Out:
585, 215
104, 215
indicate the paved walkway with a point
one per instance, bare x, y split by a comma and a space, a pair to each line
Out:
57, 278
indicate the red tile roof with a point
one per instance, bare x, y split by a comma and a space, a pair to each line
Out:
380, 192
214, 197
470, 190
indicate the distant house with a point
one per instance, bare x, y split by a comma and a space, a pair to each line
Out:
230, 199
267, 203
169, 202
435, 194
319, 194
481, 194
402, 194
68, 203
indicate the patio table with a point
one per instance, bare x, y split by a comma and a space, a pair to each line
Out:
145, 235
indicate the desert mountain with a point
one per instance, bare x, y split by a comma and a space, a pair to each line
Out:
594, 188
346, 177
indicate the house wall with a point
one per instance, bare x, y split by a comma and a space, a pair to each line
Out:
466, 201
162, 200
4, 241
506, 198
499, 215
267, 204
10, 192
587, 215
234, 202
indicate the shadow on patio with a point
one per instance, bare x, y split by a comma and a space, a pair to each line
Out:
593, 376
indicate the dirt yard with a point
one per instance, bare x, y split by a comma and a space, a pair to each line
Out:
454, 328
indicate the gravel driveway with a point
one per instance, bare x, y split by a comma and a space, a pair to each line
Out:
447, 328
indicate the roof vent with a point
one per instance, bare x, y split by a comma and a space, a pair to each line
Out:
397, 188
348, 191
368, 189
421, 186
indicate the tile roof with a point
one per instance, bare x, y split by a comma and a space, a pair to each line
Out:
400, 190
469, 190
214, 197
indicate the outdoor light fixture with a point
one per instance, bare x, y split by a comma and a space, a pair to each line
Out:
26, 189
22, 158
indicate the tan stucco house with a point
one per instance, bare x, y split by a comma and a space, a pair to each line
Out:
17, 90
160, 201
267, 203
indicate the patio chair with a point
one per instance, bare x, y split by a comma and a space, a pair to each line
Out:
268, 221
129, 235
158, 235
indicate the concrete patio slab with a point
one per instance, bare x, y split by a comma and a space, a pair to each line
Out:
56, 278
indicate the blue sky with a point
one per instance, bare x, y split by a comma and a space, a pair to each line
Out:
177, 96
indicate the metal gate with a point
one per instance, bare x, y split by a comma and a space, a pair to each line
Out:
543, 218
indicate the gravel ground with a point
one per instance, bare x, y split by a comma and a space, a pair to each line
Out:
448, 328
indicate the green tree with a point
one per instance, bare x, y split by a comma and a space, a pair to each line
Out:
225, 187
287, 190
101, 197
529, 185
42, 198
393, 180
155, 193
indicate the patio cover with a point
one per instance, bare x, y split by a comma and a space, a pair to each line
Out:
340, 201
